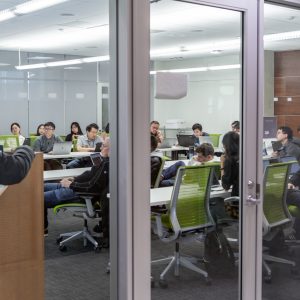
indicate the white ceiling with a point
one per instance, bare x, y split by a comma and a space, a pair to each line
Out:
175, 28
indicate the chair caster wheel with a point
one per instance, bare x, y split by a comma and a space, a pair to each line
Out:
97, 249
59, 240
163, 283
63, 248
268, 279
294, 271
208, 281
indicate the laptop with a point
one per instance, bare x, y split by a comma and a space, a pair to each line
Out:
96, 159
61, 148
277, 146
185, 140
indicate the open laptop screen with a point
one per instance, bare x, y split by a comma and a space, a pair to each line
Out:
96, 159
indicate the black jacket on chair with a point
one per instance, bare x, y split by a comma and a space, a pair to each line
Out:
14, 167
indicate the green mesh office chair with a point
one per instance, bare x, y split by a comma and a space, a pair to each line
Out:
277, 218
9, 142
33, 138
188, 212
215, 137
85, 210
157, 181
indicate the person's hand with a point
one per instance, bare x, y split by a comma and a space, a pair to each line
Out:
274, 154
65, 182
222, 158
291, 186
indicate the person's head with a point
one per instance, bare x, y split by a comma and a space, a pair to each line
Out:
284, 134
49, 129
235, 126
91, 131
205, 152
40, 130
154, 142
154, 127
197, 129
105, 148
15, 128
75, 128
231, 144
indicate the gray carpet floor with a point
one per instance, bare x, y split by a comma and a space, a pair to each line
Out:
80, 273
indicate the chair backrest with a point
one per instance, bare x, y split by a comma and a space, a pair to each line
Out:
157, 181
189, 206
274, 200
9, 141
215, 139
33, 138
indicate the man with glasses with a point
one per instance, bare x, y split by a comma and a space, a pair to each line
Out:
45, 143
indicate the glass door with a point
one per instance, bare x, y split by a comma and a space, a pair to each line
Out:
197, 75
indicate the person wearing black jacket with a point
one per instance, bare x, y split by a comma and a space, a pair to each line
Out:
93, 181
14, 167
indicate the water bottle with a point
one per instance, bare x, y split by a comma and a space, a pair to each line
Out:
191, 152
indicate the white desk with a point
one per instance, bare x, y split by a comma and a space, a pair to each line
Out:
2, 189
59, 174
169, 163
163, 195
70, 155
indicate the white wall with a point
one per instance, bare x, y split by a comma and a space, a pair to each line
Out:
213, 97
50, 94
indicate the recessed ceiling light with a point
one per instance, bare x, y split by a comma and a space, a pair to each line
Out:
4, 64
197, 30
216, 51
40, 57
67, 15
72, 68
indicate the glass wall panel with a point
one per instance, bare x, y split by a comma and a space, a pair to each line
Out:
196, 99
281, 256
53, 57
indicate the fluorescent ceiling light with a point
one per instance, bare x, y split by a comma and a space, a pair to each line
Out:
282, 36
64, 62
4, 64
34, 5
72, 68
39, 57
200, 69
27, 7
6, 15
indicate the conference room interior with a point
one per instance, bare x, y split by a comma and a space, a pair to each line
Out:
54, 66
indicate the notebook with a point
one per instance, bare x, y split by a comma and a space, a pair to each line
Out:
185, 140
277, 146
61, 148
96, 159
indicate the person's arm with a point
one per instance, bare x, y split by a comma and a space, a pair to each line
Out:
37, 145
83, 148
226, 173
13, 168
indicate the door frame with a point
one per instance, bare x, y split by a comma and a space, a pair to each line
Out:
130, 170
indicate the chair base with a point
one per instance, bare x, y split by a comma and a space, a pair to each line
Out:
271, 258
71, 236
175, 262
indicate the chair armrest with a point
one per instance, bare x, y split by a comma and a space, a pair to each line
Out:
232, 199
85, 194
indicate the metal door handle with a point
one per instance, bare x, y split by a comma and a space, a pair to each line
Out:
252, 201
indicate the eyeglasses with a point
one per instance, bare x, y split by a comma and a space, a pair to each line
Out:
48, 128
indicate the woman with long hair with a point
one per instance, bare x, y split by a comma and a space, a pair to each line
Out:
40, 130
15, 129
75, 131
230, 162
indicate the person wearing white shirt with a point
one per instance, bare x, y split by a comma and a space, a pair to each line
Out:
15, 129
204, 153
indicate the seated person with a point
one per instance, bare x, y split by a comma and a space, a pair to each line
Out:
86, 143
74, 132
168, 174
205, 154
291, 146
44, 143
235, 126
15, 129
154, 130
89, 181
197, 132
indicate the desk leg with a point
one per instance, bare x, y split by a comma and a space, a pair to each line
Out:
174, 155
